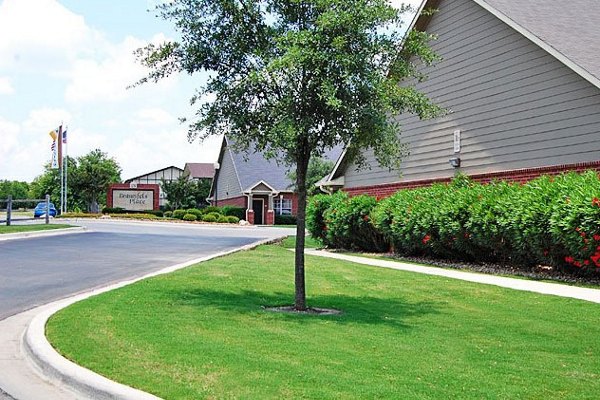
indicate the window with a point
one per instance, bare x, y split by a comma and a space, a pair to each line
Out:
283, 207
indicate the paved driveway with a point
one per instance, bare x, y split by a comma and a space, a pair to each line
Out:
37, 271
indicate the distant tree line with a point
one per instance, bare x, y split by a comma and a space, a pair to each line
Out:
88, 180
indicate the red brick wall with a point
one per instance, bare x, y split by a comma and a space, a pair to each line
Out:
141, 186
518, 175
235, 201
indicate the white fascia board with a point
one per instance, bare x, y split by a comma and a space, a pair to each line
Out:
540, 43
249, 188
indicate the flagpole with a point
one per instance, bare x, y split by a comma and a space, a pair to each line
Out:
60, 167
66, 165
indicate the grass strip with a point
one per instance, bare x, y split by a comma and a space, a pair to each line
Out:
31, 228
202, 333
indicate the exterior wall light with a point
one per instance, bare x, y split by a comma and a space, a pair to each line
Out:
455, 162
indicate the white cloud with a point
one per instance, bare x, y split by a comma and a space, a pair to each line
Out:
109, 78
154, 116
6, 86
42, 35
9, 131
25, 147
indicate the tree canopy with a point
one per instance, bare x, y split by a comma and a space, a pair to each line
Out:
88, 180
294, 78
16, 189
318, 168
95, 171
186, 193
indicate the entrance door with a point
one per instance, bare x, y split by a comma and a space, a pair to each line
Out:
258, 206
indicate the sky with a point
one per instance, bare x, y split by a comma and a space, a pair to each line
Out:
70, 62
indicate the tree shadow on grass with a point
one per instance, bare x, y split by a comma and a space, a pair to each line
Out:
354, 309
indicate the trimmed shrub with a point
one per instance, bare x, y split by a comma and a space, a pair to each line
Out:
179, 214
209, 218
189, 217
223, 219
232, 219
315, 212
285, 220
549, 221
157, 213
575, 221
216, 215
349, 224
113, 210
238, 212
168, 214
198, 213
211, 209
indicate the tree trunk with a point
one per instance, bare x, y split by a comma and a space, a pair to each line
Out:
301, 170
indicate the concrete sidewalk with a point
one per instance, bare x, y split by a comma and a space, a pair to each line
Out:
554, 289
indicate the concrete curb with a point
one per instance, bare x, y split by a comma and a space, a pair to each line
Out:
54, 367
37, 234
555, 289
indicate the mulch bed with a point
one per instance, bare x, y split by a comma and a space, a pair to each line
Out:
539, 272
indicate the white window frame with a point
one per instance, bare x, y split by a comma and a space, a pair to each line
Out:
282, 207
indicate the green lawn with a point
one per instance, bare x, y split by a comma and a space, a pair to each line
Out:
31, 228
201, 333
309, 242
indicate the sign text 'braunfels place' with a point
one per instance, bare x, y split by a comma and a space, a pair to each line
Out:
137, 200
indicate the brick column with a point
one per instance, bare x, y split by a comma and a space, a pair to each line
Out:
270, 217
250, 216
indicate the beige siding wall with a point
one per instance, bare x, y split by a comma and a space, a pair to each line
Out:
516, 105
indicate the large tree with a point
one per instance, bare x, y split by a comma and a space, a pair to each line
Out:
88, 179
95, 171
186, 193
294, 78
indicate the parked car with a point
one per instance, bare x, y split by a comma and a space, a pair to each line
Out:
40, 210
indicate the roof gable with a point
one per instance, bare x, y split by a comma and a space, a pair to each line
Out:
153, 172
253, 167
200, 170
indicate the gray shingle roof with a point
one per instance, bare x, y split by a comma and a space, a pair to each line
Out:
201, 170
571, 27
253, 168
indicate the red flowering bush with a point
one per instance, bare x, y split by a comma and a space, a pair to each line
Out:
350, 227
575, 220
550, 221
315, 214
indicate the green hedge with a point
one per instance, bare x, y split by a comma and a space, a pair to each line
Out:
179, 214
194, 211
232, 219
190, 217
238, 212
209, 218
549, 221
113, 210
285, 220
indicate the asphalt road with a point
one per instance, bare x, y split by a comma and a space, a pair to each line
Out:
39, 270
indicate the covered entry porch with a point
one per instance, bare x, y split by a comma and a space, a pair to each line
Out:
260, 202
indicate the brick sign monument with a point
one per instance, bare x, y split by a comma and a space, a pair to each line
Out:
133, 197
